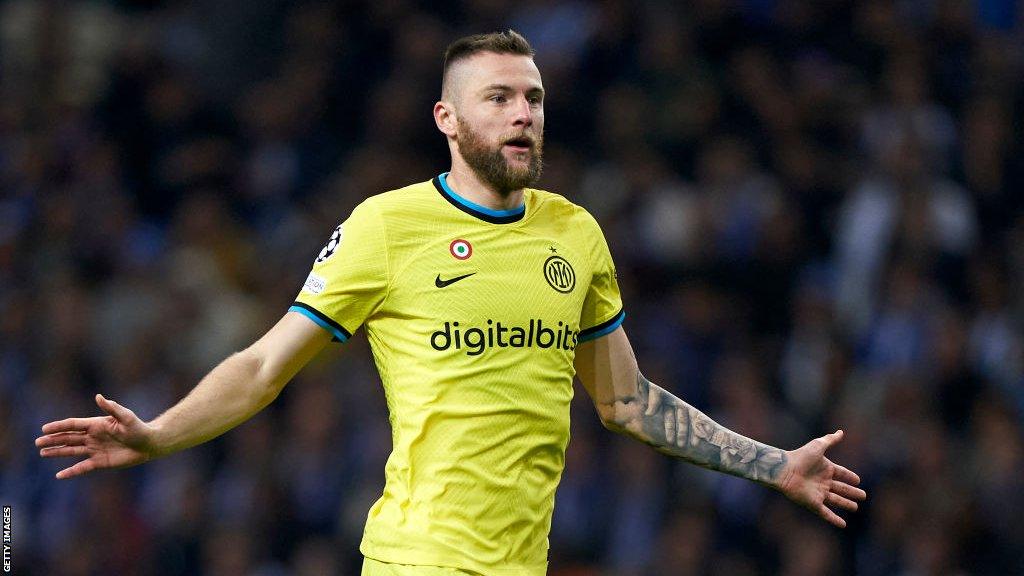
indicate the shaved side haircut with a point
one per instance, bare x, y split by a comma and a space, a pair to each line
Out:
506, 42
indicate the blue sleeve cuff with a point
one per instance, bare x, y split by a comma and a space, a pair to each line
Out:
321, 320
604, 328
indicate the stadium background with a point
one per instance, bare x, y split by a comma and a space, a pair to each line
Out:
815, 210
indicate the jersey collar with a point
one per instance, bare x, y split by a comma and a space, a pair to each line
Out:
474, 209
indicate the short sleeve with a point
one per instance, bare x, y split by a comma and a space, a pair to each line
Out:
602, 309
349, 277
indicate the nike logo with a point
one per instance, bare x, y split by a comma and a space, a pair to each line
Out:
442, 283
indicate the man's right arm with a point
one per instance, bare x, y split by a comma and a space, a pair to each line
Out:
230, 394
240, 386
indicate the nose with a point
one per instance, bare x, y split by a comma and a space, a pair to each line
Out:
523, 113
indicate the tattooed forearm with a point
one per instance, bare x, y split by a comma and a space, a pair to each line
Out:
672, 426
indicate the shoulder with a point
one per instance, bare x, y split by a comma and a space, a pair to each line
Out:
556, 216
400, 203
407, 198
555, 206
374, 214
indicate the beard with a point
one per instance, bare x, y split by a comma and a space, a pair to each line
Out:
491, 166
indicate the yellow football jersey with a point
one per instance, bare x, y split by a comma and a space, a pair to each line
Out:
473, 316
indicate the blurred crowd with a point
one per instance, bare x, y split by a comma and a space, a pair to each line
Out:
814, 207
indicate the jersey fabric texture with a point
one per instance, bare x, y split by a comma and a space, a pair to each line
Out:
473, 316
373, 567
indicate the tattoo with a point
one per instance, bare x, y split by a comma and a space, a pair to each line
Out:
673, 427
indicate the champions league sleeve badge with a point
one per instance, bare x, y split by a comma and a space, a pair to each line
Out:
331, 246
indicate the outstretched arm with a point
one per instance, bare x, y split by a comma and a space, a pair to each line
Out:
230, 394
629, 403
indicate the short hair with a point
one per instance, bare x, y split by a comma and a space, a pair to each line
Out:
505, 42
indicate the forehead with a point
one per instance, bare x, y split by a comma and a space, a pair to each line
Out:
487, 68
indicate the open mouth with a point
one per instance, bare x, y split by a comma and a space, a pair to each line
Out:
522, 144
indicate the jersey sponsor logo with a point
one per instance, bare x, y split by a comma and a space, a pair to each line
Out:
559, 274
315, 284
331, 246
442, 283
461, 249
477, 340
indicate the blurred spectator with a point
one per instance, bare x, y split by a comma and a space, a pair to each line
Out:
814, 209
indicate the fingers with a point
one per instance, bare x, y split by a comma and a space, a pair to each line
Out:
843, 489
83, 467
841, 496
120, 413
832, 439
64, 451
831, 517
61, 439
67, 425
845, 475
840, 473
833, 499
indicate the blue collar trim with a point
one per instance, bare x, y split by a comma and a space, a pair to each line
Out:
485, 213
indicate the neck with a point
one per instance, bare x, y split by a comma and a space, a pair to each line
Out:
464, 181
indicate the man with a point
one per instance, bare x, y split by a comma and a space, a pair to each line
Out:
481, 299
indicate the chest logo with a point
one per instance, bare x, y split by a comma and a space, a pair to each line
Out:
559, 274
442, 283
461, 249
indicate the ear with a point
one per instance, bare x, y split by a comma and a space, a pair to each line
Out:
445, 118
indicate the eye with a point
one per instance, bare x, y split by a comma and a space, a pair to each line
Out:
535, 100
498, 99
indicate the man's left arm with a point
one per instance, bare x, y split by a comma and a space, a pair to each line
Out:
629, 403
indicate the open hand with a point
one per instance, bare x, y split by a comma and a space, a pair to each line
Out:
816, 483
117, 440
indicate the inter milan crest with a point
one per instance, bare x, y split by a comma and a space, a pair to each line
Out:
461, 249
559, 274
331, 246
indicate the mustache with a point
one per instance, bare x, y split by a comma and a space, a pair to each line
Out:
522, 139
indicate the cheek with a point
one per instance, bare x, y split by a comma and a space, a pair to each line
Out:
492, 128
485, 121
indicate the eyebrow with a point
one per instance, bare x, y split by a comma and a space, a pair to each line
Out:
507, 88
